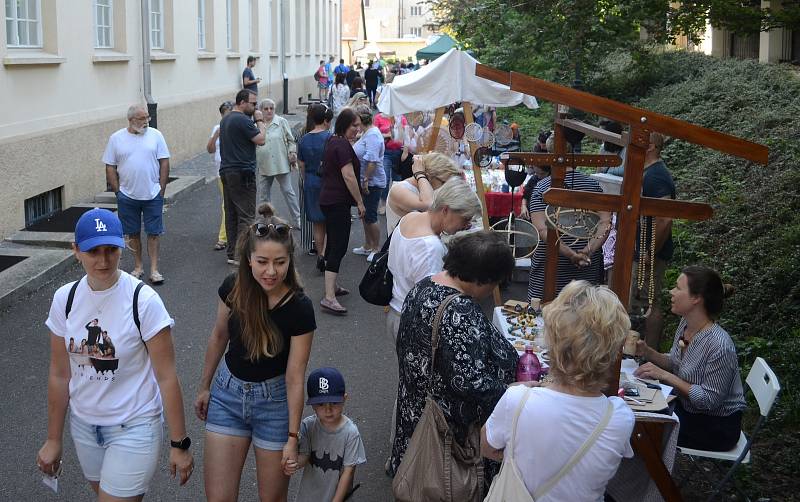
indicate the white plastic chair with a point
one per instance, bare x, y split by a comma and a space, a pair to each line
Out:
765, 386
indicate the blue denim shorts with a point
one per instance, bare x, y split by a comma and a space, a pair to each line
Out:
123, 458
131, 212
371, 201
258, 410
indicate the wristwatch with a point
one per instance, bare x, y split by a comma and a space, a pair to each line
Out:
183, 444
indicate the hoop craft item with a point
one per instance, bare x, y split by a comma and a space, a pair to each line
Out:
503, 134
482, 157
457, 126
521, 236
473, 132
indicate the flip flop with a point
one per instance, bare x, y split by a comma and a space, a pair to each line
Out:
137, 274
156, 278
219, 246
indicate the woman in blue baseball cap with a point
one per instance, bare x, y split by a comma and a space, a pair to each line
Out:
115, 382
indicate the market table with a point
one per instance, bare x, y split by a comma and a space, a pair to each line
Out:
647, 476
498, 204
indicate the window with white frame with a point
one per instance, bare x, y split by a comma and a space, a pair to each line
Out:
23, 23
103, 24
229, 23
201, 24
156, 24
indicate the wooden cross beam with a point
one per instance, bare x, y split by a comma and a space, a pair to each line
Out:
629, 205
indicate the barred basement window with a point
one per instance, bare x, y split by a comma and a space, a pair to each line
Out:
43, 206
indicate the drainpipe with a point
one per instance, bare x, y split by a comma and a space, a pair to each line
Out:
152, 106
282, 32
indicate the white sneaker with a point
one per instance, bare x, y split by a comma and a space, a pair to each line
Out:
362, 251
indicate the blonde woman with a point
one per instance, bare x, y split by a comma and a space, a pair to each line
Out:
276, 159
429, 172
584, 327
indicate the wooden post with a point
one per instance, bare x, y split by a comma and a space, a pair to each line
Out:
476, 169
476, 172
435, 126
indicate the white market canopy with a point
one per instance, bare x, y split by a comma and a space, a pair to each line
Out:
449, 79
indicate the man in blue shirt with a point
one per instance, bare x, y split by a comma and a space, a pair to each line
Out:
249, 80
342, 68
328, 69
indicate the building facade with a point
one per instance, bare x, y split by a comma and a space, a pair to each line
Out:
71, 68
395, 29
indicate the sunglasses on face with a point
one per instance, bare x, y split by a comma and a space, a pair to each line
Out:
264, 229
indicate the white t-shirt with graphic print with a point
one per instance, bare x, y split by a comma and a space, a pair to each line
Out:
112, 380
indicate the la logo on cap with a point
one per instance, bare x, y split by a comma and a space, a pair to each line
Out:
323, 385
100, 226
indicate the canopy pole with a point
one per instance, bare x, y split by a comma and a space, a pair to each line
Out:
435, 126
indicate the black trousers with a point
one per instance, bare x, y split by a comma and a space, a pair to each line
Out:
706, 432
239, 198
337, 234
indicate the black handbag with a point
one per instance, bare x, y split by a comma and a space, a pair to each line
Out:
376, 285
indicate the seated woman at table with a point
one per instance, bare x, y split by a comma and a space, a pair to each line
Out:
584, 328
474, 362
578, 259
429, 172
702, 364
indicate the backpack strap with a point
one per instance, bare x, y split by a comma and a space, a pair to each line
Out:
136, 310
71, 298
543, 489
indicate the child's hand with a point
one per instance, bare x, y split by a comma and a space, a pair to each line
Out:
290, 467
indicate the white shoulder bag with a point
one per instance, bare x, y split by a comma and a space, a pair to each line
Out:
508, 485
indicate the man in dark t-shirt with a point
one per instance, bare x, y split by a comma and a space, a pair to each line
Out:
371, 78
350, 76
249, 80
657, 183
238, 136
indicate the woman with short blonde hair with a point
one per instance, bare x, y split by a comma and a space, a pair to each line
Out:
429, 172
585, 327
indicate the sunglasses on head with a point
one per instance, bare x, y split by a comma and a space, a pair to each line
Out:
264, 229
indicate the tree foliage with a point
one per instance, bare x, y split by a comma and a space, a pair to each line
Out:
559, 39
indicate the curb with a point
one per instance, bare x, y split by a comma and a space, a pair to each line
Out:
27, 276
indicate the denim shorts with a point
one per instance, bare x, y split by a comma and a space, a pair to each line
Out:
123, 458
258, 410
131, 212
371, 201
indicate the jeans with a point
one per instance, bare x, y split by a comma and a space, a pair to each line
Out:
239, 199
391, 164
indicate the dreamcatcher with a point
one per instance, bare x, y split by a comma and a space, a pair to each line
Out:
416, 119
503, 134
579, 224
521, 236
442, 144
457, 126
473, 132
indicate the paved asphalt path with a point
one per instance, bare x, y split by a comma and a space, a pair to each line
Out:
356, 344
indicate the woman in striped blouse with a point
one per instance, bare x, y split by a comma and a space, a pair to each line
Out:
702, 365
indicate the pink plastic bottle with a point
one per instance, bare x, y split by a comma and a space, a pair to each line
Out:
528, 367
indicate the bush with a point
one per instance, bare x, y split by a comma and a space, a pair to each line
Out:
753, 239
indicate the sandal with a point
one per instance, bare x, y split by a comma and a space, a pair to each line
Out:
137, 274
340, 291
156, 278
332, 307
219, 246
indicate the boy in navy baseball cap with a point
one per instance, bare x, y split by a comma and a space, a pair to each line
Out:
330, 445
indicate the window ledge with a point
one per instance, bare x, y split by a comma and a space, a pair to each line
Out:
308, 53
273, 54
206, 55
110, 57
233, 55
163, 56
33, 58
255, 54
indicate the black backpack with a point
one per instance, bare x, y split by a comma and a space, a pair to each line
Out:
71, 298
376, 285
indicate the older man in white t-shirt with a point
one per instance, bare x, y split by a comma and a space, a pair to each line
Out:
137, 169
